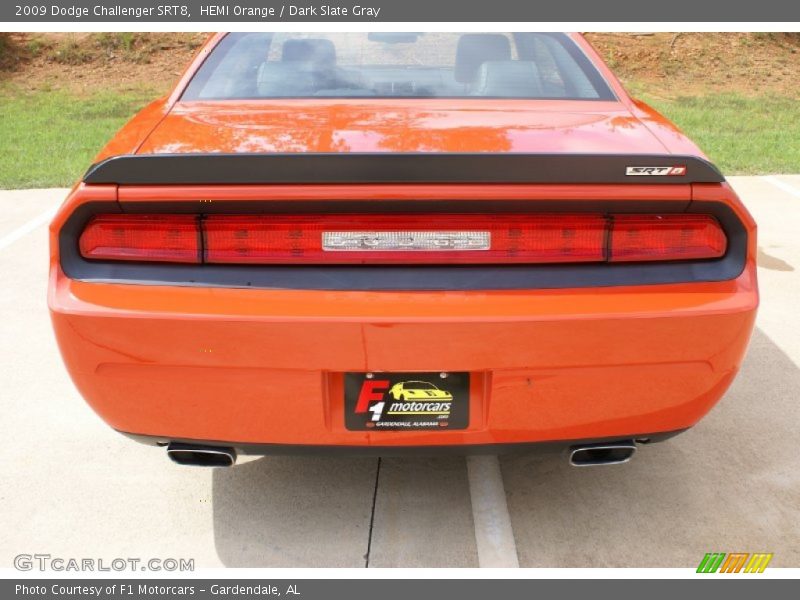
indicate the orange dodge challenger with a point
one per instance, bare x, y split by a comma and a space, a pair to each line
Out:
487, 222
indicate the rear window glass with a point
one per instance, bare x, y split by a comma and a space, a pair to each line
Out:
390, 65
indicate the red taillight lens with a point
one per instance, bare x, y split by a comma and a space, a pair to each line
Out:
406, 239
403, 239
665, 237
160, 238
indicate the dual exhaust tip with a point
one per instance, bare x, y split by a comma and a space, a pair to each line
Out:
587, 455
201, 456
611, 453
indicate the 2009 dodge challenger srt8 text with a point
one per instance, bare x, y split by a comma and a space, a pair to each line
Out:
385, 243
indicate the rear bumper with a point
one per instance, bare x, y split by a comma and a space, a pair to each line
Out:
398, 451
265, 367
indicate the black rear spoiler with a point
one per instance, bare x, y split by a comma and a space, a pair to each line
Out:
220, 169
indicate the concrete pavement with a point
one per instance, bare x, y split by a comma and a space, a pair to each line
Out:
73, 487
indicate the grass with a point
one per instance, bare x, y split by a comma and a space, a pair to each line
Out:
70, 52
741, 135
50, 137
132, 47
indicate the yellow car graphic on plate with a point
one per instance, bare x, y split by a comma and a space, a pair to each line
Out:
418, 390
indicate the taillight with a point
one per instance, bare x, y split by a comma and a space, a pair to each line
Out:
665, 237
403, 239
407, 239
159, 238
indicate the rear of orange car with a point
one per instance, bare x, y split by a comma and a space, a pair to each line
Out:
256, 274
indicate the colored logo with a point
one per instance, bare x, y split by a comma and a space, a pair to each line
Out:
656, 171
406, 401
735, 562
406, 398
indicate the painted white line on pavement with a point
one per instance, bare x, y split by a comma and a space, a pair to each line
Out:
25, 229
789, 189
493, 534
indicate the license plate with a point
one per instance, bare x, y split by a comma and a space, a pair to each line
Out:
406, 401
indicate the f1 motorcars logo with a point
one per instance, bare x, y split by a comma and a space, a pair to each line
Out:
735, 562
404, 401
405, 397
656, 171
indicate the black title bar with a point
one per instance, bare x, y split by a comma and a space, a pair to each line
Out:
731, 587
534, 11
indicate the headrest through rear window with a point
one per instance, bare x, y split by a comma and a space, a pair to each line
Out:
508, 79
315, 50
279, 79
474, 49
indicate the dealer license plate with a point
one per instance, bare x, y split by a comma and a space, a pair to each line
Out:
406, 401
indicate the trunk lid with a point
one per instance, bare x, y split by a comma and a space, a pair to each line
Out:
398, 126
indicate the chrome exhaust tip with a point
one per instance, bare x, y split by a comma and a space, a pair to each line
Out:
592, 455
201, 456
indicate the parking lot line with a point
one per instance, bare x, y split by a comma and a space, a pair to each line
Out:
493, 534
789, 189
28, 227
423, 516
